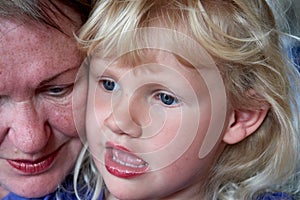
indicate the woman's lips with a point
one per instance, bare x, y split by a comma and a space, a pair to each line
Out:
34, 167
122, 163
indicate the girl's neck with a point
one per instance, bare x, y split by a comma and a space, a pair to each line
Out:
191, 193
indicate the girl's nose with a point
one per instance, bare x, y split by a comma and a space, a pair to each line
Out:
125, 118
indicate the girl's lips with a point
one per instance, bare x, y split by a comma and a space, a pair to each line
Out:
122, 163
34, 167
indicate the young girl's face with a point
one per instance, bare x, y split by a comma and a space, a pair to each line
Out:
146, 124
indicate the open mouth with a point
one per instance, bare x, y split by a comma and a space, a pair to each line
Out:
124, 164
34, 167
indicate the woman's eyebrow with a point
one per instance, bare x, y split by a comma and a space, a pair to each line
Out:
57, 75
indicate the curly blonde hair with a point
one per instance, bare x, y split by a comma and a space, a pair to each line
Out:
242, 38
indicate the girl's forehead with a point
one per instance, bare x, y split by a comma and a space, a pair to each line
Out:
152, 65
188, 56
139, 41
147, 57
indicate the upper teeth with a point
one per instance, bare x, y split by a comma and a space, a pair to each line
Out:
127, 159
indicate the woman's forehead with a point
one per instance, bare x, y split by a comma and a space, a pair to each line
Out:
37, 49
54, 13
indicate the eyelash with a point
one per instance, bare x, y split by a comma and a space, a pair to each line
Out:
58, 90
111, 86
164, 97
3, 99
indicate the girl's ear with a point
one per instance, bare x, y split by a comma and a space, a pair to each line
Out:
243, 123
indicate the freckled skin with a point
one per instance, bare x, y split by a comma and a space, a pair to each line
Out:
35, 119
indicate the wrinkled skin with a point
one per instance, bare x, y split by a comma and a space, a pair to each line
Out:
38, 139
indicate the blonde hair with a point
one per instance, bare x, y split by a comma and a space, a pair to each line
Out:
242, 38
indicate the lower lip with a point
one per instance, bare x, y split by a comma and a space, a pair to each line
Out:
122, 171
31, 168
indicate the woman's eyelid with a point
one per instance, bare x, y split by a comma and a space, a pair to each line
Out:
56, 91
60, 89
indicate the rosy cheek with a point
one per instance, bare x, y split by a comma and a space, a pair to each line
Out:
101, 108
61, 119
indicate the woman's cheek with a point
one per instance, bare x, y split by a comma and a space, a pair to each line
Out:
61, 119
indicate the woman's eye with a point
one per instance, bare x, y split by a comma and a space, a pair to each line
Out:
110, 85
167, 99
58, 90
3, 98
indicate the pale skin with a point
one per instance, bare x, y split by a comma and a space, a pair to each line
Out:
38, 67
138, 118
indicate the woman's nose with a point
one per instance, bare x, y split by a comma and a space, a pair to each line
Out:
28, 131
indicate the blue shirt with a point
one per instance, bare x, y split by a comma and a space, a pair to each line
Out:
294, 54
71, 196
52, 196
275, 196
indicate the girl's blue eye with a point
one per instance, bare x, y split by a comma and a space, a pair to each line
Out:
110, 85
167, 99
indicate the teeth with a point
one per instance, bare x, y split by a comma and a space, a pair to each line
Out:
127, 159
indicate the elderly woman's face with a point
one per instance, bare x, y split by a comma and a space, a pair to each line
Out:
38, 139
